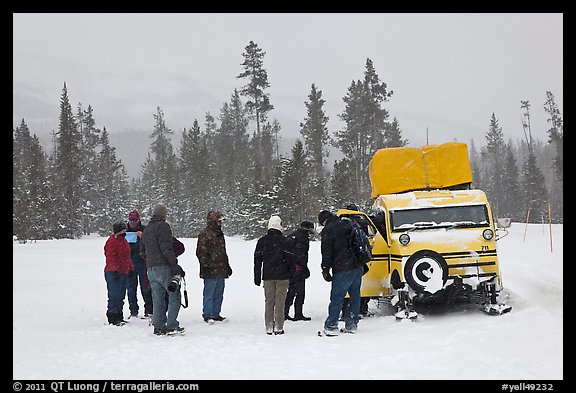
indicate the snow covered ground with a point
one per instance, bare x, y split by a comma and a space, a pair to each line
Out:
60, 330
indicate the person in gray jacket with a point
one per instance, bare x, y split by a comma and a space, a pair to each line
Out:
156, 248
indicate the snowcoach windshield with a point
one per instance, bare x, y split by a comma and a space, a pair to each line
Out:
439, 217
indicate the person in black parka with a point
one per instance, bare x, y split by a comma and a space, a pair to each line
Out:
299, 243
273, 264
346, 276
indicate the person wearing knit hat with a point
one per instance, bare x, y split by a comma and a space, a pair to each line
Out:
140, 275
214, 266
157, 250
160, 210
323, 216
274, 265
275, 223
118, 266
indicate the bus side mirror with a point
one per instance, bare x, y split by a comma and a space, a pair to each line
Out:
504, 222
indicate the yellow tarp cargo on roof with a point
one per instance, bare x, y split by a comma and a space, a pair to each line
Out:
401, 169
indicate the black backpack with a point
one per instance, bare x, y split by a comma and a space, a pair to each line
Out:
359, 244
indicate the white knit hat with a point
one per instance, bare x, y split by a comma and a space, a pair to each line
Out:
274, 223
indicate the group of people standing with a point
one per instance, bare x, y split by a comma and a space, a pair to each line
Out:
147, 255
152, 251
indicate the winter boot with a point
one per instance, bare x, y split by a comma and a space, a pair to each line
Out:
147, 295
120, 320
298, 316
111, 317
287, 316
115, 319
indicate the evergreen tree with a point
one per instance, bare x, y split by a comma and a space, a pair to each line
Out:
192, 170
376, 116
258, 102
533, 182
20, 199
475, 163
294, 197
493, 160
511, 193
314, 132
109, 203
262, 143
231, 141
556, 139
534, 190
30, 193
340, 192
223, 146
159, 175
353, 139
68, 172
209, 133
267, 159
39, 191
366, 122
393, 135
90, 179
526, 126
261, 203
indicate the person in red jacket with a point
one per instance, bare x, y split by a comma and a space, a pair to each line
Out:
118, 266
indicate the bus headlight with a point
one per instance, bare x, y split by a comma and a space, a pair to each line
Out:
488, 234
404, 239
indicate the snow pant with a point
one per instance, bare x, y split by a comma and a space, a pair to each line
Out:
275, 292
160, 277
116, 286
139, 277
296, 294
347, 281
212, 297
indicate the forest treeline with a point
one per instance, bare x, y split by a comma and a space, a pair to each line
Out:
232, 162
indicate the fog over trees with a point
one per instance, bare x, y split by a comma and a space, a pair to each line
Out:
232, 162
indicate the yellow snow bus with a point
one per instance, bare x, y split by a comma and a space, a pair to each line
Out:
433, 237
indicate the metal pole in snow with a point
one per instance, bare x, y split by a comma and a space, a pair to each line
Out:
550, 224
526, 228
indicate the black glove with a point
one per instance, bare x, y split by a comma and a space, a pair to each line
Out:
229, 271
327, 276
257, 281
177, 270
306, 272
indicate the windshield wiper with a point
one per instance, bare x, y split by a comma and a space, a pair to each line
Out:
463, 224
418, 225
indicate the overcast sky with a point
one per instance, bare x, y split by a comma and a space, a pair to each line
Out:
449, 72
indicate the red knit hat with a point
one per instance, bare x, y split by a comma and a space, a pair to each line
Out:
134, 215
